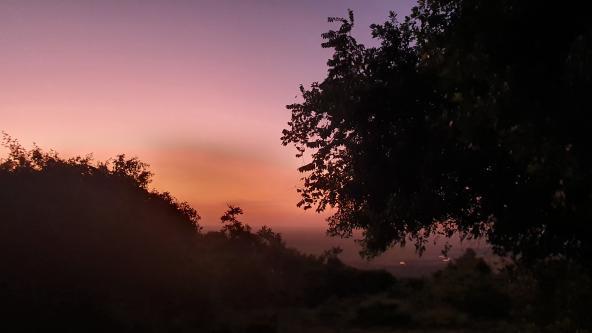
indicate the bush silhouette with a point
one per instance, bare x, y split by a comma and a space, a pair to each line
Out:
91, 239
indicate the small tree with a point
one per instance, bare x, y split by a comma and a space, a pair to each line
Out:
234, 228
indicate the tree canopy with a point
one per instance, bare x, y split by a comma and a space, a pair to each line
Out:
470, 116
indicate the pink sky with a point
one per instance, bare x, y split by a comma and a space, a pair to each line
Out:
195, 88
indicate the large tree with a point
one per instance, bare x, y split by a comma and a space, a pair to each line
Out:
470, 116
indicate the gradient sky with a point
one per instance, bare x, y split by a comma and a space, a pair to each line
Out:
195, 88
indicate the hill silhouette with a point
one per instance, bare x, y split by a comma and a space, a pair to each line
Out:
86, 246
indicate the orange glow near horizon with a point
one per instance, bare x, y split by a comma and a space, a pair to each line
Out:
213, 179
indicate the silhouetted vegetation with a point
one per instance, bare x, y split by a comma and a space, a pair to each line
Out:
470, 116
470, 296
86, 246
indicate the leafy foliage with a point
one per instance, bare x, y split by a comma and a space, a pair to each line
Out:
470, 116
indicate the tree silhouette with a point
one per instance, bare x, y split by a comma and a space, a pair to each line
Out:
234, 228
470, 116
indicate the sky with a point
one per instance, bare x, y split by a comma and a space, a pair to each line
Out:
197, 89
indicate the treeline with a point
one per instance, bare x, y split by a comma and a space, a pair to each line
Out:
86, 246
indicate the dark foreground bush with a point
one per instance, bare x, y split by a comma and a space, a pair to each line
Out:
382, 314
553, 295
